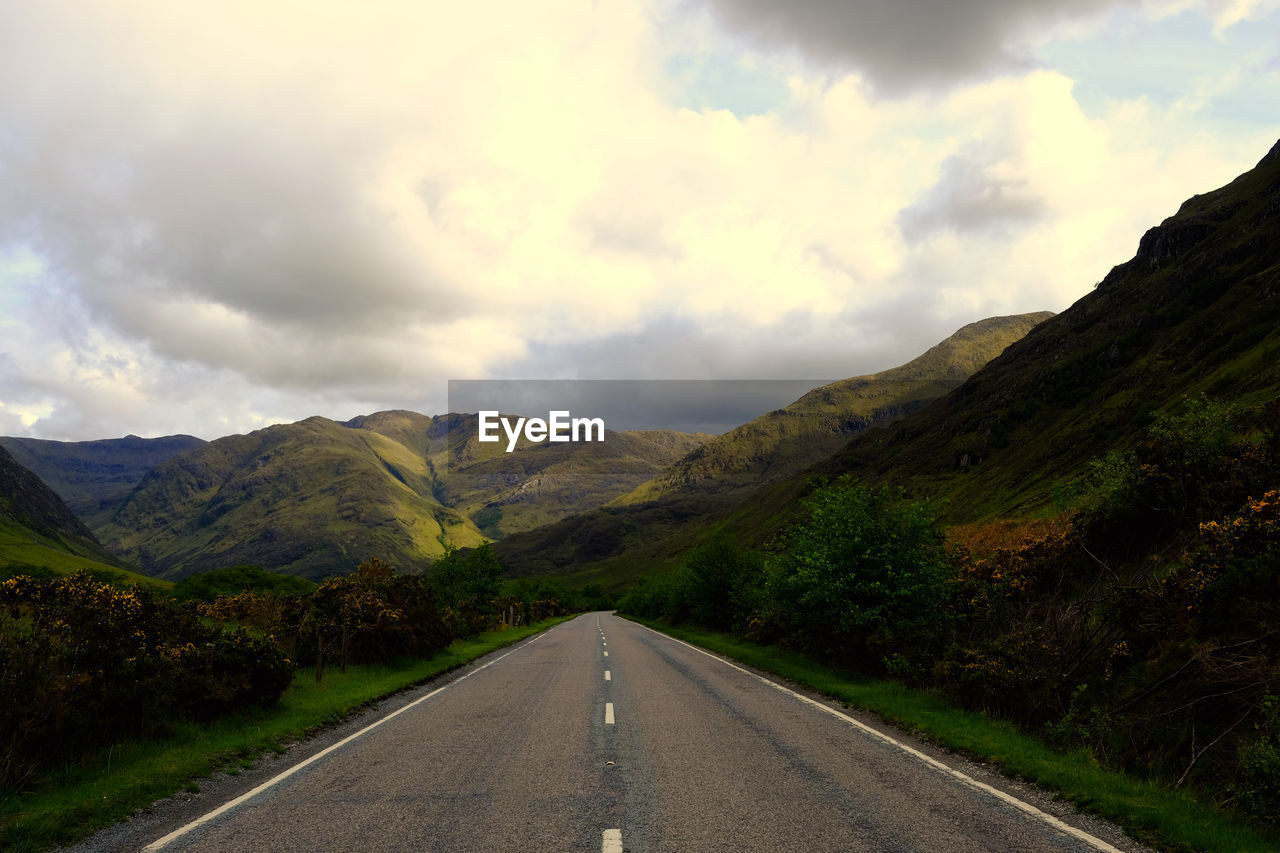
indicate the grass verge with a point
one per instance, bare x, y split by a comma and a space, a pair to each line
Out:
68, 805
1149, 812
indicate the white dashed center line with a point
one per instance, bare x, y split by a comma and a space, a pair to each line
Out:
611, 841
606, 676
608, 713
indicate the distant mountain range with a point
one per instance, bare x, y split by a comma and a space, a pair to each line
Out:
652, 524
1195, 311
93, 477
319, 496
35, 524
992, 420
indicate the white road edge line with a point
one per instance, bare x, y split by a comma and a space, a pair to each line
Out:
608, 713
1025, 807
611, 841
276, 780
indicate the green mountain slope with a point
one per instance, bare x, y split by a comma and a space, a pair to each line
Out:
308, 498
789, 440
92, 477
540, 484
1196, 311
317, 497
39, 532
536, 484
652, 524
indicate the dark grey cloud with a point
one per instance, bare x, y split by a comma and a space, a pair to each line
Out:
802, 345
906, 45
970, 197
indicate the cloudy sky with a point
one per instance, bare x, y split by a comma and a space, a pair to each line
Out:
219, 216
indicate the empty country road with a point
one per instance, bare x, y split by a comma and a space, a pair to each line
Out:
602, 735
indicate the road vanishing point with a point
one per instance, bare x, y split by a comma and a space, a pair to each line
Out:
603, 735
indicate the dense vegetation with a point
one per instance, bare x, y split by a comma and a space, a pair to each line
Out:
313, 498
92, 477
1141, 623
207, 586
666, 515
85, 663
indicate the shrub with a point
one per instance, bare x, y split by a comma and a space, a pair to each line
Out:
372, 614
467, 582
207, 586
1257, 785
862, 576
1187, 465
721, 583
83, 663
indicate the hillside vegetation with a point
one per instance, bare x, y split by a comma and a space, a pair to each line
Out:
1083, 538
671, 512
1196, 311
38, 531
315, 497
93, 477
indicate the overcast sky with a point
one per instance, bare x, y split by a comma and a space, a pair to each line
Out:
216, 216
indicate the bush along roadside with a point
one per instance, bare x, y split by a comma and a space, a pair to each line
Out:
84, 664
1155, 652
68, 802
91, 669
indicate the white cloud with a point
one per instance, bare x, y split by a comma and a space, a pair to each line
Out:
218, 218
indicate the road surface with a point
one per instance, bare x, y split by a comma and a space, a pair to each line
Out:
602, 735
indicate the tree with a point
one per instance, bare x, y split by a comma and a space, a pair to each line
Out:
340, 609
467, 582
720, 582
863, 569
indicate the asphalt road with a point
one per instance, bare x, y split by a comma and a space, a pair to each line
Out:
604, 736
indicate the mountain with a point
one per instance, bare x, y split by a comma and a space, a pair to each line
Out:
1195, 311
93, 477
671, 511
789, 440
36, 527
319, 496
1109, 484
540, 484
536, 484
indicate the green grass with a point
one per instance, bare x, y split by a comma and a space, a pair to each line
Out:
22, 550
67, 805
1149, 812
